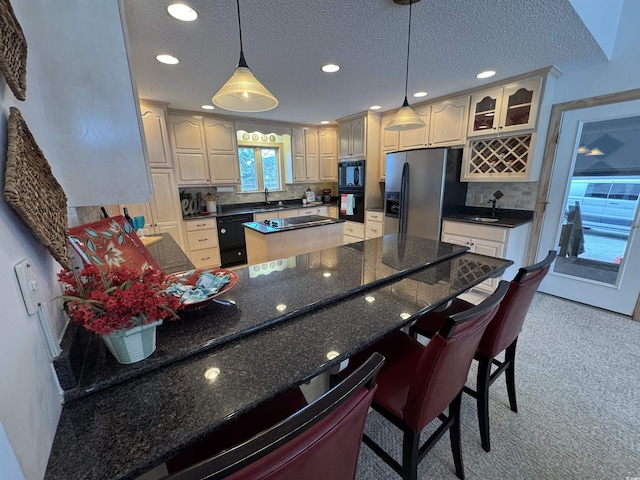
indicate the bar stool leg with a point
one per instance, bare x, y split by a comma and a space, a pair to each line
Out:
510, 357
484, 379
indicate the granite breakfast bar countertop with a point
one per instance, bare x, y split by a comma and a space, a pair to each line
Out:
123, 431
266, 294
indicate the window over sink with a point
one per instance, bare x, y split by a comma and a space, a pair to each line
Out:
260, 168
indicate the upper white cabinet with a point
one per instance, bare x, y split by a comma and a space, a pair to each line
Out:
328, 147
312, 154
445, 125
205, 150
187, 138
156, 136
222, 150
299, 154
512, 108
417, 137
448, 122
507, 131
353, 138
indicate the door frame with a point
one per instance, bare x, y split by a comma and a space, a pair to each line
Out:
548, 161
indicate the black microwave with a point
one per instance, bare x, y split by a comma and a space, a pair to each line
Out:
351, 175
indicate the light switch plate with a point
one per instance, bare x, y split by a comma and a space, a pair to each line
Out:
32, 293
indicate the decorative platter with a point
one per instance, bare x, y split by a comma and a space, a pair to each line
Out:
188, 281
111, 243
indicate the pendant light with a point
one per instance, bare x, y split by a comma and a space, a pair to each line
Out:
243, 92
405, 118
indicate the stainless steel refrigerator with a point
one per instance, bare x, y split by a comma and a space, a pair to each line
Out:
420, 187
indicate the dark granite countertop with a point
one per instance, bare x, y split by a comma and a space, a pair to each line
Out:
258, 207
505, 217
295, 223
123, 431
266, 294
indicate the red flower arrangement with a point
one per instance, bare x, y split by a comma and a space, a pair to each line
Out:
124, 299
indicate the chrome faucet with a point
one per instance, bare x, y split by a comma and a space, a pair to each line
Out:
266, 196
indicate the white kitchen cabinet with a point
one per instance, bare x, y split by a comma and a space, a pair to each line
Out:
189, 150
205, 150
374, 224
389, 141
298, 155
445, 125
312, 154
202, 238
494, 241
448, 122
417, 137
328, 146
511, 108
353, 232
156, 135
305, 155
222, 151
162, 214
353, 138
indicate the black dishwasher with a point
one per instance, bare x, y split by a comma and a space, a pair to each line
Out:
233, 249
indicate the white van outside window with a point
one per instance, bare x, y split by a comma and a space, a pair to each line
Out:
606, 203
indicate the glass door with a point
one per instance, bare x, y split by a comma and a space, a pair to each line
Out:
591, 216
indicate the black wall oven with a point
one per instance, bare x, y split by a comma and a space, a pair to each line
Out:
351, 190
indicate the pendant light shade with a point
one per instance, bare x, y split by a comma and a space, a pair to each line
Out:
405, 118
243, 92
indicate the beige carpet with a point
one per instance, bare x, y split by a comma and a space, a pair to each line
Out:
578, 387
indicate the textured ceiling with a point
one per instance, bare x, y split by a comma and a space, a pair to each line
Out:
287, 41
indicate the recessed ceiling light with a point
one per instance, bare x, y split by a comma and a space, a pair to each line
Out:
486, 74
168, 59
375, 107
207, 107
330, 68
420, 94
325, 122
182, 12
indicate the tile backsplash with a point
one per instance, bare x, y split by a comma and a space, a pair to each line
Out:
293, 191
517, 195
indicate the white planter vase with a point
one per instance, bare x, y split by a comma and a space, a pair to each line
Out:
133, 345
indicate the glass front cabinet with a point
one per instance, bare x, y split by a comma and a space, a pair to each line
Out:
506, 109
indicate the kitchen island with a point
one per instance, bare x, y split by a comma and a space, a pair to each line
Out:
292, 320
284, 237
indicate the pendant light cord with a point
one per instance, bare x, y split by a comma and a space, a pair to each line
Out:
242, 62
406, 77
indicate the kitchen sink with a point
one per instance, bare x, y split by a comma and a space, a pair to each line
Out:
483, 219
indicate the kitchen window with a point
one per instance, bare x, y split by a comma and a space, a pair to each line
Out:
260, 168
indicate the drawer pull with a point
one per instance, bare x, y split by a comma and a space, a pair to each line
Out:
205, 258
201, 224
203, 239
374, 229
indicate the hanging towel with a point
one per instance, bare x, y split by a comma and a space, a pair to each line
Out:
351, 203
343, 203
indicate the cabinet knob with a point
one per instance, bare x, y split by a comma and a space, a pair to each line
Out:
223, 230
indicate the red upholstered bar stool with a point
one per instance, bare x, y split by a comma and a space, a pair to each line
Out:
319, 442
418, 383
501, 336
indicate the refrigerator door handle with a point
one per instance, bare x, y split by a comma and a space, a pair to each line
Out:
404, 199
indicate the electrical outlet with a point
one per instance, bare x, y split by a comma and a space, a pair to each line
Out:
32, 293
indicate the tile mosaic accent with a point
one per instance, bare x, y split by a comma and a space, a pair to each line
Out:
517, 195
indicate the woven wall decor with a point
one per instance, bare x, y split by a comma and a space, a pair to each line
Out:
13, 51
32, 190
